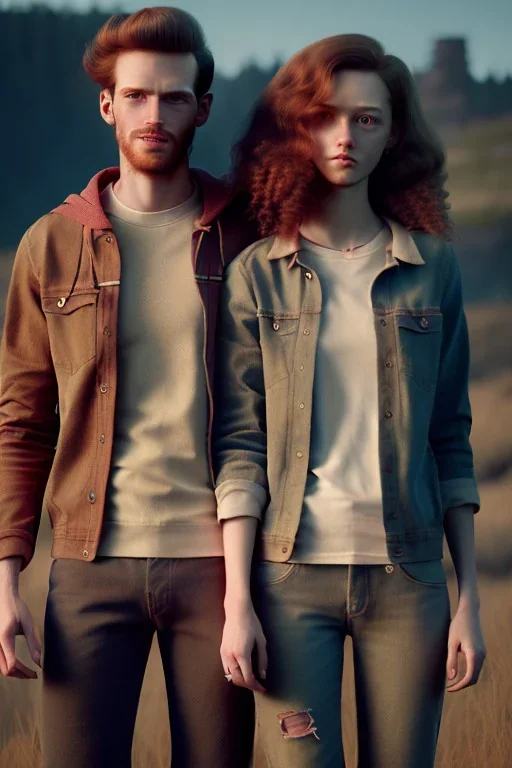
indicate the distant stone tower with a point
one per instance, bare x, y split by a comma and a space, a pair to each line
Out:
445, 89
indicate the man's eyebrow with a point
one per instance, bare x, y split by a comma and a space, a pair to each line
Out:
150, 92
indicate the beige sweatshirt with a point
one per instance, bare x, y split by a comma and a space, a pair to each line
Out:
160, 501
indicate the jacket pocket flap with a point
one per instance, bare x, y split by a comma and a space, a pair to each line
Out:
61, 305
420, 323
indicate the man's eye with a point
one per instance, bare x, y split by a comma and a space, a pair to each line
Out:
175, 99
133, 96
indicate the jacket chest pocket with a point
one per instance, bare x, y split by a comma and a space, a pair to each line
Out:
278, 337
71, 329
419, 347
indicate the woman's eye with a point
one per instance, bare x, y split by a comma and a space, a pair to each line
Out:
366, 120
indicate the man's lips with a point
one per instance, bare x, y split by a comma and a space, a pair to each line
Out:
155, 138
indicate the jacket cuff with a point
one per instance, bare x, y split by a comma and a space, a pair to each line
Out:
240, 498
16, 546
458, 492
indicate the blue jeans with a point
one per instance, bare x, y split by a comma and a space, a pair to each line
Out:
398, 618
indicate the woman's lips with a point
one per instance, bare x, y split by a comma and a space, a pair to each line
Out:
345, 160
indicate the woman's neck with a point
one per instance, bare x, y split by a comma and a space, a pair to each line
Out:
342, 218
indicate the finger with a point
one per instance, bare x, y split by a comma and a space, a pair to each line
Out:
21, 672
232, 668
452, 663
236, 675
33, 644
250, 681
468, 676
262, 657
3, 663
7, 642
225, 662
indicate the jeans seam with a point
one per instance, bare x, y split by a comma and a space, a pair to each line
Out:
262, 741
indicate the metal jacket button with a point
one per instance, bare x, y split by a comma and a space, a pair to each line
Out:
109, 239
92, 497
85, 553
389, 364
388, 414
383, 322
299, 454
103, 389
308, 276
306, 331
61, 302
275, 326
424, 322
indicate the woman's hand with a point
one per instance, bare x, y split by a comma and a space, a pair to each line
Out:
465, 637
242, 635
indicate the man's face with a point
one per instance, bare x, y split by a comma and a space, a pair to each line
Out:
154, 109
351, 135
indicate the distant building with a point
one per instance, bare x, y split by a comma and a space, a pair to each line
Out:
450, 95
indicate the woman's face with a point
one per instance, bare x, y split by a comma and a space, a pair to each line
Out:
350, 135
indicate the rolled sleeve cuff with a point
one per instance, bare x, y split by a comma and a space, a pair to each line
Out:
240, 498
12, 545
458, 492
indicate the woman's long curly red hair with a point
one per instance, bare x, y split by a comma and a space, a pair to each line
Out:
273, 160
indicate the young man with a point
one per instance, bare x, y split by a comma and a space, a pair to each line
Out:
111, 315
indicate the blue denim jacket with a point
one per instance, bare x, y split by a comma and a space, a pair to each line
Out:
269, 325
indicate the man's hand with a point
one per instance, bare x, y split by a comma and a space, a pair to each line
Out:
465, 637
15, 619
242, 634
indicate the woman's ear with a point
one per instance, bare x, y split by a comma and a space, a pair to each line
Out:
393, 138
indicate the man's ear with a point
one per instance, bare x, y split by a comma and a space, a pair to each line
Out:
107, 106
203, 110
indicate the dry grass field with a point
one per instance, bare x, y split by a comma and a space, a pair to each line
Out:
477, 723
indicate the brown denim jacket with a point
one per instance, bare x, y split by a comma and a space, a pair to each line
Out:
58, 361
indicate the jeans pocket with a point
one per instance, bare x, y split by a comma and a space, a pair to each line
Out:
275, 573
429, 573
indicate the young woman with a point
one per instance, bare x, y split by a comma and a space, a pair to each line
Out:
344, 419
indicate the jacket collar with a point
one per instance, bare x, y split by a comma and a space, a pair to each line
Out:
403, 245
87, 209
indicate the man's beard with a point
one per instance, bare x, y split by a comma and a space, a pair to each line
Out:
156, 163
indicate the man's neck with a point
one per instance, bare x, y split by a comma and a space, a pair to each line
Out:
342, 218
149, 193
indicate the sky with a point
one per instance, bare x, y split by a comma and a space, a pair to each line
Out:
239, 31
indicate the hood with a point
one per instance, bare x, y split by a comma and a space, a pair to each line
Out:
86, 207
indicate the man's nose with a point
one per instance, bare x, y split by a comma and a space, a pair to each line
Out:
153, 116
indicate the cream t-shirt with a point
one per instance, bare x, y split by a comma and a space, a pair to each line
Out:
342, 517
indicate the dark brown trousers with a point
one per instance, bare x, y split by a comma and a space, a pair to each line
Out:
99, 625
